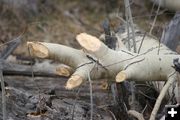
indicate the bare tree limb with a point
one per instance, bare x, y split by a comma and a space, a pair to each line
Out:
137, 115
163, 92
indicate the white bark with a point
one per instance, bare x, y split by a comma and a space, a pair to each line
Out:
169, 4
153, 66
153, 63
151, 46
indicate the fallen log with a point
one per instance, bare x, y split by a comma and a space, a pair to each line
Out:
36, 70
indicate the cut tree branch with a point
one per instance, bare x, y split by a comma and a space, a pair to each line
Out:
10, 69
153, 62
152, 67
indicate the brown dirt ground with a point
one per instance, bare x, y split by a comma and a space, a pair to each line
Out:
62, 22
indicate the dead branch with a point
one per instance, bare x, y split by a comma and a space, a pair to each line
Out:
163, 92
26, 70
122, 64
169, 4
137, 115
155, 67
3, 96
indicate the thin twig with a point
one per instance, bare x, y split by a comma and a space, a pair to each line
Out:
159, 47
129, 19
149, 50
145, 85
32, 73
4, 56
144, 109
114, 117
91, 95
151, 98
17, 39
141, 42
3, 95
132, 26
134, 62
74, 105
178, 90
163, 92
154, 22
127, 25
136, 114
151, 13
10, 48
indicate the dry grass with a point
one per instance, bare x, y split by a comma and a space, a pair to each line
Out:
62, 22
